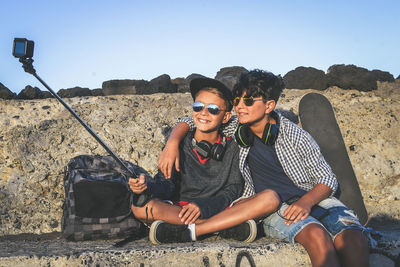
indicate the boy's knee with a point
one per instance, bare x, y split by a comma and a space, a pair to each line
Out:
352, 237
271, 198
317, 235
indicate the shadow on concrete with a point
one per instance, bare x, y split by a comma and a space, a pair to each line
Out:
384, 222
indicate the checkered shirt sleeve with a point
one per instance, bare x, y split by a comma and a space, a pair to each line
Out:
302, 159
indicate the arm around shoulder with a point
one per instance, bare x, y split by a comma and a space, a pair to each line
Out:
170, 155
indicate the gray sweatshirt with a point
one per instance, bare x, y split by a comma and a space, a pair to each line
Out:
212, 185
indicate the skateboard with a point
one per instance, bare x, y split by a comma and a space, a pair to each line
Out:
318, 119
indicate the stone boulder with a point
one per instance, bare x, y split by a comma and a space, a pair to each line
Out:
382, 76
353, 77
37, 139
46, 94
97, 92
194, 76
30, 92
124, 87
161, 84
182, 85
6, 93
230, 75
306, 78
74, 92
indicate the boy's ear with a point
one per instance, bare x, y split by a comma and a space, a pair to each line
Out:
270, 106
227, 117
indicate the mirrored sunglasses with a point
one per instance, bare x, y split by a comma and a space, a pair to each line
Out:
212, 109
248, 101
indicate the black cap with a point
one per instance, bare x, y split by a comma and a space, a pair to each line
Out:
200, 83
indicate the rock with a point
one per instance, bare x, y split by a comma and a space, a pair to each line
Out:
230, 75
382, 76
74, 92
124, 87
6, 93
52, 250
306, 78
37, 139
30, 92
388, 89
46, 94
161, 84
353, 77
194, 76
97, 92
182, 85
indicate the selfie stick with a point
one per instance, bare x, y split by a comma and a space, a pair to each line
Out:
28, 67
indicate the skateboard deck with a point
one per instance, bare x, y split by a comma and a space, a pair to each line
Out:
318, 119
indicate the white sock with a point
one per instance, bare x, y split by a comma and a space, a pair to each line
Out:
192, 229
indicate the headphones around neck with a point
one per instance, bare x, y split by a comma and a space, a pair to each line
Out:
245, 136
207, 150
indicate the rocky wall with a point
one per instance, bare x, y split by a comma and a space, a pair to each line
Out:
38, 137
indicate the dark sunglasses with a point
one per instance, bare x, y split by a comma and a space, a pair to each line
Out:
248, 101
212, 109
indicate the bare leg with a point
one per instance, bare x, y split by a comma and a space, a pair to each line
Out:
352, 248
318, 244
258, 205
158, 210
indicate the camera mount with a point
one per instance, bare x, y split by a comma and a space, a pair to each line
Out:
27, 65
23, 49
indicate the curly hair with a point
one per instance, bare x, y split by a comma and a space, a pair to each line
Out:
259, 83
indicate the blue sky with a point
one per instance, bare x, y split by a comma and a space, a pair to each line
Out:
83, 43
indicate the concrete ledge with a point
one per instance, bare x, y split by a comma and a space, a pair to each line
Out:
52, 250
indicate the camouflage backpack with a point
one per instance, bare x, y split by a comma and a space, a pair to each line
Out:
98, 200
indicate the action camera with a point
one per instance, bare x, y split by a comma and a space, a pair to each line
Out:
23, 48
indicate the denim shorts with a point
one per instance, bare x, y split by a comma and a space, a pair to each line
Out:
340, 218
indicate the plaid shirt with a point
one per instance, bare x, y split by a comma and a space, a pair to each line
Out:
297, 151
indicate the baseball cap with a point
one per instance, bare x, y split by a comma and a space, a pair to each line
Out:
200, 83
